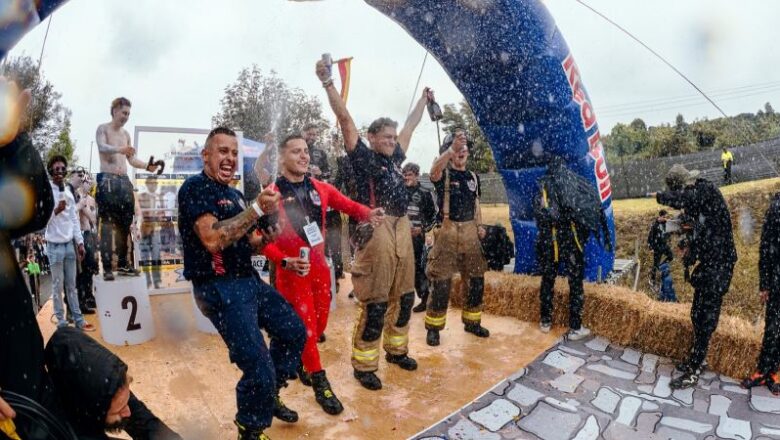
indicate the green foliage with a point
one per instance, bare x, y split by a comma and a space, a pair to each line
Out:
481, 160
47, 116
638, 141
258, 104
64, 145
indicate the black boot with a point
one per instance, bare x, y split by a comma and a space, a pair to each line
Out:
324, 394
368, 379
281, 411
420, 307
245, 433
402, 360
433, 338
303, 376
476, 328
321, 339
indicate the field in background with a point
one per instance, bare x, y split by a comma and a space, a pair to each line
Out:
747, 202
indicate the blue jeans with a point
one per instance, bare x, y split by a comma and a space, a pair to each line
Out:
667, 292
62, 259
239, 308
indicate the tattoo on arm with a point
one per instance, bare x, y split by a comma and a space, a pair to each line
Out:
233, 229
102, 142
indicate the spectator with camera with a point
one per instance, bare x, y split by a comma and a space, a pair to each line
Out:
710, 246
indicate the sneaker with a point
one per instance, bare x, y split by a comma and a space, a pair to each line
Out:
686, 380
128, 272
245, 433
420, 307
432, 338
757, 379
545, 327
477, 329
580, 333
368, 379
283, 413
323, 394
402, 360
87, 327
108, 276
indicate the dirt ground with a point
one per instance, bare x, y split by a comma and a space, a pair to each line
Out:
185, 377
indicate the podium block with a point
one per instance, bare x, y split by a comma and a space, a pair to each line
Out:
124, 310
201, 321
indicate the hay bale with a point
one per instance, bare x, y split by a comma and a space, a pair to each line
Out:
625, 317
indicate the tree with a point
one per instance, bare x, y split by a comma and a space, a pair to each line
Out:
768, 109
481, 160
64, 145
258, 104
47, 116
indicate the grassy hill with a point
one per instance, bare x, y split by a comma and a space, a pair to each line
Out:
747, 202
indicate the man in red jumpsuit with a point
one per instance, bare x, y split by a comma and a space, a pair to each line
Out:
306, 284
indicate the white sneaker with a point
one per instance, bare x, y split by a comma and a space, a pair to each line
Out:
576, 335
545, 327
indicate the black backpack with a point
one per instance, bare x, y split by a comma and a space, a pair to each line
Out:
498, 247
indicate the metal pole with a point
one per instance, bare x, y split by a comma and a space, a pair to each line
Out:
91, 145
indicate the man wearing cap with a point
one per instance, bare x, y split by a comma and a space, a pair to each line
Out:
422, 215
456, 246
711, 245
383, 272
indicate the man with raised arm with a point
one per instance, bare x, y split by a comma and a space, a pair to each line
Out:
115, 192
383, 272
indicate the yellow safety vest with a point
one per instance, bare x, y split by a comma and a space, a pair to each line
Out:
726, 158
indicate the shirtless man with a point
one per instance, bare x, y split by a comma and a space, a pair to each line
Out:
115, 192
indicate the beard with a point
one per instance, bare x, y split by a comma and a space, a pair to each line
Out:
117, 426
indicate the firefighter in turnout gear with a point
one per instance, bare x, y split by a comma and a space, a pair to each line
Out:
456, 246
422, 215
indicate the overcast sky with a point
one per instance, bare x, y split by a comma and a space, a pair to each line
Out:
174, 62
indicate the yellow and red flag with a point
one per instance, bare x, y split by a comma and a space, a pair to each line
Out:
345, 71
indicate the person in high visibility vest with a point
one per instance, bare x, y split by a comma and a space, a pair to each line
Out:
727, 159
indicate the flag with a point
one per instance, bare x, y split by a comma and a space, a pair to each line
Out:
345, 70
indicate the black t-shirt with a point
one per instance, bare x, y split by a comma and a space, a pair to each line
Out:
319, 157
300, 201
464, 191
386, 175
421, 210
201, 195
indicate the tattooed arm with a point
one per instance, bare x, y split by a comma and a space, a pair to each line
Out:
217, 235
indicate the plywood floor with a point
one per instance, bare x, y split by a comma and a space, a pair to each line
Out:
185, 377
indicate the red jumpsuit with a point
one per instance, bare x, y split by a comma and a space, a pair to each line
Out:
310, 295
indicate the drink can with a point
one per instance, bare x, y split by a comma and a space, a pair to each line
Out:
304, 253
327, 59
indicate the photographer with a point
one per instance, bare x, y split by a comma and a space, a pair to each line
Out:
711, 248
383, 273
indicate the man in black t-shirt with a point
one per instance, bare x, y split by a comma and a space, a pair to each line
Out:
218, 236
456, 246
422, 215
383, 272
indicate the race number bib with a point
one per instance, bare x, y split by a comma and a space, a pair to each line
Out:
313, 234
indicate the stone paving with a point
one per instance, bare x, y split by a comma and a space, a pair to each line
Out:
592, 389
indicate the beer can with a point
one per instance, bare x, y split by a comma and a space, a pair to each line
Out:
327, 59
304, 253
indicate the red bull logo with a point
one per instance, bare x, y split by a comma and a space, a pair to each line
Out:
595, 147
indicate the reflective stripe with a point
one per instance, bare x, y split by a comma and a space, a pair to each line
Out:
396, 341
366, 356
576, 239
435, 321
555, 243
472, 316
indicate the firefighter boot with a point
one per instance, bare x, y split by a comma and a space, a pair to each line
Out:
368, 379
402, 360
281, 411
303, 376
245, 433
757, 379
323, 394
433, 338
476, 328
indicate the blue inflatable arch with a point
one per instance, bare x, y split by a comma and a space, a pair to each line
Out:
512, 65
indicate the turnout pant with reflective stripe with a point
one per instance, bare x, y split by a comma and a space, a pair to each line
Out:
383, 278
456, 248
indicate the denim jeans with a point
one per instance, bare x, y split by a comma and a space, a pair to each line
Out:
62, 258
239, 308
